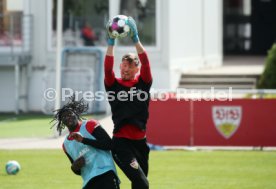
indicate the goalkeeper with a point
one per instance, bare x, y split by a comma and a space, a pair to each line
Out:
129, 145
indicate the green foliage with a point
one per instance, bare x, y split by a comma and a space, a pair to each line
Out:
268, 78
49, 169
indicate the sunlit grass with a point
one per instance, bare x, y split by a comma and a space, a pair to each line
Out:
50, 169
29, 125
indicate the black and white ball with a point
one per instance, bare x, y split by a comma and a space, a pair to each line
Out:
12, 167
118, 27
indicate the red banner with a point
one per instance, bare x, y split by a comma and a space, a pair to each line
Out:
240, 122
169, 122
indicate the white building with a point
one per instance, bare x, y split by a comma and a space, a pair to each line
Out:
181, 35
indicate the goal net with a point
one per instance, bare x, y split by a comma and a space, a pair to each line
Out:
82, 74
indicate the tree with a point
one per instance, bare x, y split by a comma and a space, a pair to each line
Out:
268, 77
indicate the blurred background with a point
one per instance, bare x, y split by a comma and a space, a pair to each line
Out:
207, 34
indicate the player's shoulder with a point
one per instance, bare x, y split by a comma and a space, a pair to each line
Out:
91, 124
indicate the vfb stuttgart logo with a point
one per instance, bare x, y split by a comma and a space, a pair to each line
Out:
227, 119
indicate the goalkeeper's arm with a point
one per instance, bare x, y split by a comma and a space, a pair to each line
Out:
133, 30
145, 72
145, 68
139, 48
109, 75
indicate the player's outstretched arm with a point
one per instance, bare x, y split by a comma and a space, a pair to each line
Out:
110, 39
145, 68
110, 50
133, 30
139, 48
109, 76
134, 35
145, 71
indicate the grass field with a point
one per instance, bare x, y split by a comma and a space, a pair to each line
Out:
30, 125
48, 169
25, 126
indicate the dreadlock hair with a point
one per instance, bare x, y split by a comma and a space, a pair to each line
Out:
77, 107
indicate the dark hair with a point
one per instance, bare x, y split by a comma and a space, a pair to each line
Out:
131, 58
77, 107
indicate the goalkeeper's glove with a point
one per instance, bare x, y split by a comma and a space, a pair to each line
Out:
133, 30
110, 39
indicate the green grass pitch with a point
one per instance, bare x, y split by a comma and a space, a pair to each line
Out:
29, 125
48, 169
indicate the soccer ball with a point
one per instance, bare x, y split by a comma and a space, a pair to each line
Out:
118, 27
12, 167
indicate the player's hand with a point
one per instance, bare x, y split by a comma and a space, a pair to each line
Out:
76, 136
78, 164
133, 30
110, 39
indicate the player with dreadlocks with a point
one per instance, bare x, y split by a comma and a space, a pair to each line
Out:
87, 146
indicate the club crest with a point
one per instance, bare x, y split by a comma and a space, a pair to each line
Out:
134, 164
227, 119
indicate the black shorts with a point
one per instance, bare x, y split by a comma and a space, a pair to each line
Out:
132, 157
108, 180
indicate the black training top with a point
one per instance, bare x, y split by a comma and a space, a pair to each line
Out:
129, 105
